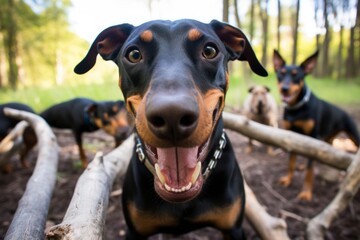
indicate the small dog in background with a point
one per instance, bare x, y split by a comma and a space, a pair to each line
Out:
260, 106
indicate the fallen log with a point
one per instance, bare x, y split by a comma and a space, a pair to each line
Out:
290, 141
86, 214
30, 217
267, 226
348, 188
12, 143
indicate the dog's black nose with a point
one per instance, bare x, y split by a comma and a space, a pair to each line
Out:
172, 117
285, 88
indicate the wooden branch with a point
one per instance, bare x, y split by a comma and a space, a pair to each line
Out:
12, 143
86, 214
267, 226
290, 141
349, 187
30, 217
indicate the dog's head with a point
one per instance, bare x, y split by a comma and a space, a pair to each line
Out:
174, 79
291, 77
112, 117
259, 99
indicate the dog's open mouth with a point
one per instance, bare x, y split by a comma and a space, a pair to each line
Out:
178, 170
287, 98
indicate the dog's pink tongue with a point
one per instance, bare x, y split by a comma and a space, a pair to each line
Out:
177, 164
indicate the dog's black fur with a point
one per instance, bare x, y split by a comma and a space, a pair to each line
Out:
174, 78
86, 115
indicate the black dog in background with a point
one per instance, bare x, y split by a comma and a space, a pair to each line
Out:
307, 114
86, 115
8, 123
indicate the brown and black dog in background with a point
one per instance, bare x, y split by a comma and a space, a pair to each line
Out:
260, 106
8, 123
86, 115
174, 77
306, 114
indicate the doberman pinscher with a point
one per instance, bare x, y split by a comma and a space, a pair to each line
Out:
174, 77
86, 115
8, 123
306, 114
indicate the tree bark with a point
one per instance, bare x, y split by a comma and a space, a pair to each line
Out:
11, 45
265, 22
30, 217
279, 22
325, 68
290, 141
225, 11
86, 214
295, 32
252, 20
318, 225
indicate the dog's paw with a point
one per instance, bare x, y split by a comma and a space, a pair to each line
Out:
305, 195
285, 181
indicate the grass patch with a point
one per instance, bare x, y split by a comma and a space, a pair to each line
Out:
344, 93
40, 98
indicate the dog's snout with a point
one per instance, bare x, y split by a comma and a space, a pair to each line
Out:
172, 117
285, 88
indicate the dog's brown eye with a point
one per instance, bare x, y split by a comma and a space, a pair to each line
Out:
210, 51
134, 55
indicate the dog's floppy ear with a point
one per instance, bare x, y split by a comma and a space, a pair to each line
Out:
251, 89
279, 62
91, 109
238, 45
267, 88
309, 64
107, 44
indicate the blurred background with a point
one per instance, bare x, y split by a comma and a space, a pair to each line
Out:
42, 40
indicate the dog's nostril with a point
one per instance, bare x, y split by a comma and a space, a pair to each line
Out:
157, 121
187, 120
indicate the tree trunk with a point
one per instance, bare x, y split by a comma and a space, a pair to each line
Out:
340, 63
295, 32
237, 15
225, 10
325, 69
30, 216
10, 39
351, 62
279, 22
265, 21
252, 19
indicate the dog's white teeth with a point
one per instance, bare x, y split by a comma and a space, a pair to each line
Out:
159, 174
196, 173
178, 190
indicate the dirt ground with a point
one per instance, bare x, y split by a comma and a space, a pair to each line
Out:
260, 170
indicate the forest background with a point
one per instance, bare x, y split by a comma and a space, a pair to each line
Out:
39, 46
